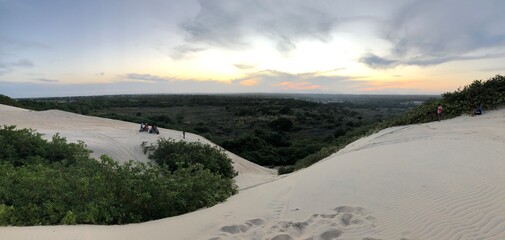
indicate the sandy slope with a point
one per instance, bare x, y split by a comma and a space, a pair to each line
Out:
120, 140
441, 180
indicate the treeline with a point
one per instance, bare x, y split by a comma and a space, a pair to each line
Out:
8, 101
490, 94
55, 182
265, 129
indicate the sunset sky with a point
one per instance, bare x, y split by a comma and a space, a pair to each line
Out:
96, 47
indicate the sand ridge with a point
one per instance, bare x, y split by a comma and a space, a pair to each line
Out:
439, 180
118, 139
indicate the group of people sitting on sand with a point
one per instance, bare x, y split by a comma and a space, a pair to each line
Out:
144, 127
478, 110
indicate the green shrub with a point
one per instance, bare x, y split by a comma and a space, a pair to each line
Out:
58, 183
281, 124
339, 132
285, 170
8, 101
490, 94
178, 154
198, 187
24, 146
69, 219
253, 148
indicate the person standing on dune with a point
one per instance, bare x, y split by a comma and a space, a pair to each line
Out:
440, 111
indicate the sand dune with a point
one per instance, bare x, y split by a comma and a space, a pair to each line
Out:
120, 140
440, 180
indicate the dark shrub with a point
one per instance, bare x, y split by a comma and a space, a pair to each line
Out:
253, 148
339, 132
285, 170
202, 129
7, 100
184, 154
281, 124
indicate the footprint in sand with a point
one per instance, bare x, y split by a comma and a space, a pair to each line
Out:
255, 222
331, 234
283, 237
320, 226
234, 229
291, 227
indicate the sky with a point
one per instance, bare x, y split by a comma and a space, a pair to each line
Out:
56, 48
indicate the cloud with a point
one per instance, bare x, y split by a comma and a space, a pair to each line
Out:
19, 44
6, 67
377, 62
267, 81
433, 32
145, 78
43, 89
434, 60
316, 82
313, 82
249, 82
297, 85
244, 66
420, 32
22, 63
46, 80
3, 69
184, 50
232, 24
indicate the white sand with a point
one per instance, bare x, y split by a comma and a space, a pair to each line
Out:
441, 180
120, 140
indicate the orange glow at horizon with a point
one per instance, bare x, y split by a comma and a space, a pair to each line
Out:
249, 82
297, 86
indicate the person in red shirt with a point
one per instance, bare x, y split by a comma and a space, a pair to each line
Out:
440, 111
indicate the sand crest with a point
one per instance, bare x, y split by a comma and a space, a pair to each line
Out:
440, 180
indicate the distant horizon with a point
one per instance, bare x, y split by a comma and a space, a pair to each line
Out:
230, 94
237, 93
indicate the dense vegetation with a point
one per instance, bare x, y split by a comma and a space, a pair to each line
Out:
8, 101
55, 182
490, 94
271, 130
174, 155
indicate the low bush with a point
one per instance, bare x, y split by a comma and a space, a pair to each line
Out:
175, 154
490, 94
58, 183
